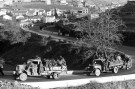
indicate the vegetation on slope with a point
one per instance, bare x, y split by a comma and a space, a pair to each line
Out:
12, 32
75, 56
102, 31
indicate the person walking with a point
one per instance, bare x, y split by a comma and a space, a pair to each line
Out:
1, 67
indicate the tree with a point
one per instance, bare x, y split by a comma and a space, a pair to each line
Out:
103, 31
11, 31
71, 17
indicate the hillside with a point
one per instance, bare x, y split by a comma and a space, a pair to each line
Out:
75, 56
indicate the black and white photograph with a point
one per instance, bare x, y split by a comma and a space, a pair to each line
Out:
67, 44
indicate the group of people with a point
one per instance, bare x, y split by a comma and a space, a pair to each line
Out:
108, 58
37, 69
59, 62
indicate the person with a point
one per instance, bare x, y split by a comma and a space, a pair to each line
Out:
32, 68
35, 69
1, 67
41, 68
118, 57
38, 58
54, 63
61, 62
48, 64
106, 62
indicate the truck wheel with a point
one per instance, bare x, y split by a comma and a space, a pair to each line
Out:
56, 76
23, 76
115, 70
97, 72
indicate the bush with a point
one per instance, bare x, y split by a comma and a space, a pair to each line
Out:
129, 38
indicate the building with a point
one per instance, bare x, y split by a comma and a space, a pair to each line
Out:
58, 11
80, 4
2, 13
19, 13
94, 15
8, 2
49, 19
80, 0
63, 2
83, 11
20, 17
26, 0
48, 13
48, 2
41, 12
32, 12
34, 0
2, 4
7, 17
25, 24
35, 18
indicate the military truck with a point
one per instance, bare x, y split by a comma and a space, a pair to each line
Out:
23, 71
102, 64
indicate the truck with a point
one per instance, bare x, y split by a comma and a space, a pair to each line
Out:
102, 64
24, 70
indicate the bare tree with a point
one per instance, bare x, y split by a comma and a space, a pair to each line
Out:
103, 31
